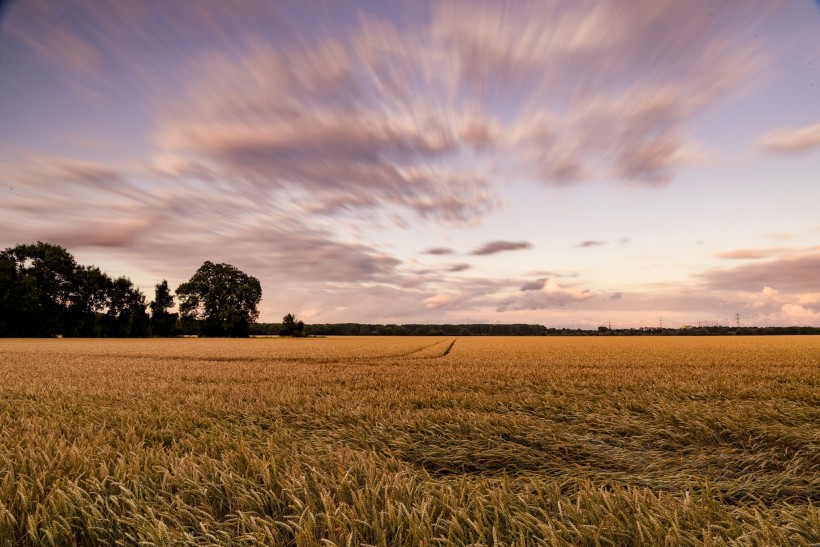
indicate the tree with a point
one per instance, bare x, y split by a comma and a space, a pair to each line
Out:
162, 321
10, 297
222, 297
91, 298
126, 310
292, 327
39, 285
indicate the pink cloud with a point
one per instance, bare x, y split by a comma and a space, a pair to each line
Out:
793, 140
437, 301
751, 253
551, 295
797, 273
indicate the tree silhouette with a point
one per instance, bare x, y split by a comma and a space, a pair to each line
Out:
222, 297
292, 327
126, 310
39, 286
162, 321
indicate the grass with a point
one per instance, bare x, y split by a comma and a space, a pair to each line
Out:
410, 441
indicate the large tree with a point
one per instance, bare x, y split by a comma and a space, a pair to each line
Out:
222, 297
162, 321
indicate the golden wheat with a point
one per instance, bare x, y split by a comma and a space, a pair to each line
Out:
410, 441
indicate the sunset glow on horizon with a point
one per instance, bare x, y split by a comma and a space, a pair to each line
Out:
561, 163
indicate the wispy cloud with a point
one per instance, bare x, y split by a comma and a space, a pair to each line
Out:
793, 140
752, 253
375, 112
439, 251
536, 285
550, 295
591, 243
494, 247
792, 273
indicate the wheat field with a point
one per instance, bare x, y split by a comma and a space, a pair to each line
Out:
410, 441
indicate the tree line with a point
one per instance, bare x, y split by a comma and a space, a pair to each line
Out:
45, 292
419, 329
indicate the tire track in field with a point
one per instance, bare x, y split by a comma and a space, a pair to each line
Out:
328, 359
437, 355
415, 351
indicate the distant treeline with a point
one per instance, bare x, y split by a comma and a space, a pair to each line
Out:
364, 329
482, 329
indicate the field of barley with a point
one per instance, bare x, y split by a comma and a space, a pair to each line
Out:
410, 441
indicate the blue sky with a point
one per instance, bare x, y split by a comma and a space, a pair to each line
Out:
567, 162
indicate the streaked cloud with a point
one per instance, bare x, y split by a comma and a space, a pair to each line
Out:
437, 301
439, 251
536, 285
752, 253
591, 243
551, 295
493, 247
344, 125
792, 273
793, 140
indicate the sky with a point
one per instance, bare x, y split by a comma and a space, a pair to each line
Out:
565, 163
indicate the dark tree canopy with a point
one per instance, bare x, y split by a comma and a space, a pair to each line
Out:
126, 310
291, 326
222, 297
162, 321
39, 287
46, 293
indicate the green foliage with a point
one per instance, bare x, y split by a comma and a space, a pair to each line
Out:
223, 297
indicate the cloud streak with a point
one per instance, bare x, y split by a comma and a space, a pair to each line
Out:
793, 273
374, 113
536, 285
589, 243
439, 251
550, 295
493, 247
793, 140
751, 253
